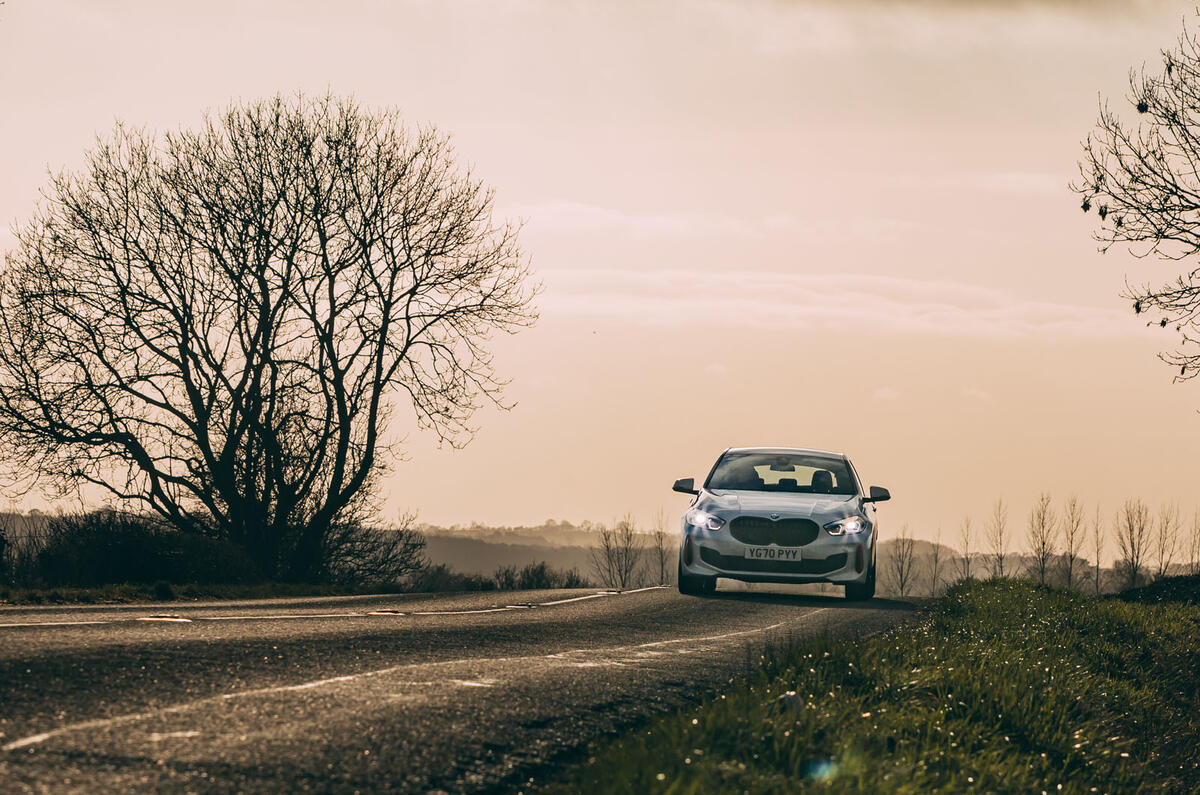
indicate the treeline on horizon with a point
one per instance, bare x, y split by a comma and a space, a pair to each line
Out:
1059, 543
1056, 543
104, 547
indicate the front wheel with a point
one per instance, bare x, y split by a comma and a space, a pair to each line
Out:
861, 592
695, 584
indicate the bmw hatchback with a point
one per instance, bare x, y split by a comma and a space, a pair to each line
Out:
783, 515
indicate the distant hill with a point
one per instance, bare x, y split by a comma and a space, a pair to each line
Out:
484, 556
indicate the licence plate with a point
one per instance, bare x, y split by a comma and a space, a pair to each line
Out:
773, 553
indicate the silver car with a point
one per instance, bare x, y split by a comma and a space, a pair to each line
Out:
780, 514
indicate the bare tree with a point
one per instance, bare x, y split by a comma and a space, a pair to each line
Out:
1194, 545
1143, 182
966, 537
8, 523
903, 560
217, 325
661, 550
618, 555
935, 563
1042, 523
1098, 535
357, 553
1166, 538
1133, 531
997, 536
1073, 536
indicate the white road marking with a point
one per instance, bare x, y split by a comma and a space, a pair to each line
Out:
576, 599
52, 624
301, 616
106, 723
648, 588
280, 616
157, 737
705, 639
307, 685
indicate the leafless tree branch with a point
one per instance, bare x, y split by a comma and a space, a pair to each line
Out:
218, 324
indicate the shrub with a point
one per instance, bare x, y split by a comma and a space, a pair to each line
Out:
532, 576
358, 554
538, 575
506, 578
440, 577
573, 579
105, 547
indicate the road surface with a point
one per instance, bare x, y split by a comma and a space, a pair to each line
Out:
454, 693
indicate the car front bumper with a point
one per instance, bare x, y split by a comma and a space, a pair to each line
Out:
836, 559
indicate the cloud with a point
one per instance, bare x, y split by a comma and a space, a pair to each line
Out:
928, 28
572, 217
1080, 6
716, 369
681, 297
975, 393
1015, 183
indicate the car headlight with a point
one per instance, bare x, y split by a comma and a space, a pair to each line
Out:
851, 524
704, 520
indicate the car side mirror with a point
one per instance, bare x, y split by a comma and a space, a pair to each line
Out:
685, 486
878, 494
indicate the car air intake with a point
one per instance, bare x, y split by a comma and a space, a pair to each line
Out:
784, 532
812, 567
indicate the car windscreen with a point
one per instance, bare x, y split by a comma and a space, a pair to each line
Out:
797, 473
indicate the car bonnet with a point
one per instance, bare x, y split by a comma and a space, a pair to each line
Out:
818, 507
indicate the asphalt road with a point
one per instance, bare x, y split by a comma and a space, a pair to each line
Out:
400, 693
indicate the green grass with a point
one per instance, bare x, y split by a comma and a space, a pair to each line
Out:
1001, 686
125, 593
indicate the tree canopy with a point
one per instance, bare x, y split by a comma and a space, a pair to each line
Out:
217, 323
1143, 182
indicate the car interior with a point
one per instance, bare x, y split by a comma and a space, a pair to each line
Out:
785, 474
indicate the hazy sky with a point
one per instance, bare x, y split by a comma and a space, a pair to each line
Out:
842, 225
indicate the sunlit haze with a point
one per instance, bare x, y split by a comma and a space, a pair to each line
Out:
834, 225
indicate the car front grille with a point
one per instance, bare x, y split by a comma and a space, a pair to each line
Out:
761, 531
811, 566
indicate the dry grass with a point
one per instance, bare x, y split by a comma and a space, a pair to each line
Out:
1001, 686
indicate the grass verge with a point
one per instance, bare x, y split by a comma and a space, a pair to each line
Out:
1001, 686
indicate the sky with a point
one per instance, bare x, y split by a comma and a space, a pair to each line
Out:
841, 225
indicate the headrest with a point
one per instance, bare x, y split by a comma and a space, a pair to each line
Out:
822, 481
788, 484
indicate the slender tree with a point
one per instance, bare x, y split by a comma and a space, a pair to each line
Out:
903, 560
1194, 545
1166, 538
618, 557
935, 564
217, 324
661, 557
1098, 538
1073, 537
1041, 532
1133, 534
997, 536
966, 537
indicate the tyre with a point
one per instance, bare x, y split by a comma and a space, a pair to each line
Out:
861, 592
694, 584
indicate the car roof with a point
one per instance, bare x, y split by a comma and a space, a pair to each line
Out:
784, 450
